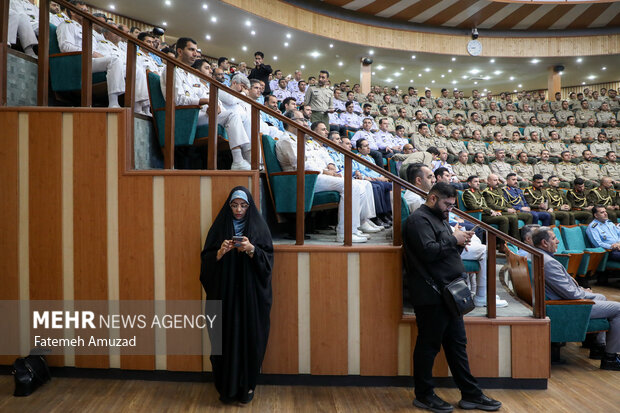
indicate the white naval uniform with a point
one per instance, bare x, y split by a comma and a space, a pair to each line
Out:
317, 159
27, 9
69, 34
189, 90
19, 24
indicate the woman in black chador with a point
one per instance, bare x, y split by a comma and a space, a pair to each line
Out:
239, 273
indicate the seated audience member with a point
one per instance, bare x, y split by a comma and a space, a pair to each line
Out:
603, 233
351, 120
386, 142
293, 84
612, 168
499, 166
480, 169
224, 66
300, 94
605, 196
69, 34
446, 175
424, 157
473, 199
20, 26
420, 176
559, 285
382, 188
365, 133
57, 15
318, 159
281, 92
273, 83
188, 90
589, 170
272, 103
288, 104
516, 199
526, 233
600, 148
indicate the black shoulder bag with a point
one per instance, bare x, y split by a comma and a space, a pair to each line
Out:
457, 297
30, 373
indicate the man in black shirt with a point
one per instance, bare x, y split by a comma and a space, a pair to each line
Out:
261, 71
432, 259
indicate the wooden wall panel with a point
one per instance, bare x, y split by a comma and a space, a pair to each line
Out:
282, 355
136, 265
483, 349
440, 368
90, 217
221, 187
380, 312
9, 215
328, 309
183, 245
530, 350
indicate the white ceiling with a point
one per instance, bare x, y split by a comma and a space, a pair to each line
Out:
230, 30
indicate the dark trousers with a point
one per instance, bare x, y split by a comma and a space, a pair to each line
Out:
544, 217
381, 191
614, 256
584, 217
502, 222
436, 328
342, 130
565, 217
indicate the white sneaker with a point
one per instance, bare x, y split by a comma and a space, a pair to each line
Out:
482, 302
361, 234
366, 227
241, 166
355, 238
372, 224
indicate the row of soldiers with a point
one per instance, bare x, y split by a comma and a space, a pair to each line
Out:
505, 205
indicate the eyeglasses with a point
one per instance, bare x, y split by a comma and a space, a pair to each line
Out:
235, 205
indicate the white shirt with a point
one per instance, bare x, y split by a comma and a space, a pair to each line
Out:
187, 88
317, 157
384, 139
280, 94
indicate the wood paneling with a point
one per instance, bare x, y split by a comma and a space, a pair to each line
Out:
90, 217
9, 215
440, 367
183, 245
483, 349
282, 355
530, 351
136, 265
220, 189
380, 312
409, 40
328, 309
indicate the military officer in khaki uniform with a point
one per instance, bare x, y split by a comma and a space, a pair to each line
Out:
538, 199
524, 170
591, 131
582, 115
578, 201
472, 125
510, 126
458, 123
605, 196
534, 147
383, 114
475, 144
563, 114
552, 127
422, 140
533, 127
474, 199
588, 170
555, 146
493, 111
402, 120
439, 108
545, 115
556, 104
510, 111
613, 131
566, 170
600, 148
559, 202
455, 145
499, 166
495, 199
515, 146
461, 169
497, 144
568, 132
481, 170
544, 167
489, 130
577, 147
605, 115
612, 169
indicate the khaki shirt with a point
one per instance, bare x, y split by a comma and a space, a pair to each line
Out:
495, 145
562, 115
546, 169
405, 123
566, 171
604, 116
534, 148
508, 130
422, 143
470, 127
556, 105
482, 171
455, 146
529, 129
612, 170
525, 171
474, 146
568, 132
544, 117
576, 149
320, 99
600, 149
555, 148
590, 133
391, 127
447, 102
463, 171
588, 170
501, 169
582, 115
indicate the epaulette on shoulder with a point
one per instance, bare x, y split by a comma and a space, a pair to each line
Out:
594, 224
68, 21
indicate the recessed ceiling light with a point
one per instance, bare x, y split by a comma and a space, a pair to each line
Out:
579, 60
443, 75
534, 61
475, 83
205, 6
331, 45
346, 80
112, 7
413, 56
380, 67
371, 52
474, 71
497, 72
454, 82
340, 63
389, 80
485, 90
512, 78
583, 83
213, 19
253, 33
244, 48
515, 91
303, 66
168, 3
275, 58
402, 68
288, 35
397, 74
519, 85
419, 74
487, 77
285, 44
232, 59
591, 77
454, 59
410, 80
164, 24
464, 76
492, 61
604, 68
432, 81
428, 69
208, 37
315, 54
449, 70
373, 73
248, 23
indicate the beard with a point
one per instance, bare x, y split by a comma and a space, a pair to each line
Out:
437, 211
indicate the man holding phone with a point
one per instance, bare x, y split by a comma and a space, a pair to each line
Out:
261, 71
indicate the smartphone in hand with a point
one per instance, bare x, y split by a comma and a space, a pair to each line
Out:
237, 240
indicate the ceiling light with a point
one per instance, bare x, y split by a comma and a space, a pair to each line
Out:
583, 83
168, 3
534, 61
487, 77
214, 19
428, 69
413, 56
205, 6
454, 82
371, 52
303, 66
591, 77
464, 77
492, 61
164, 24
253, 33
515, 91
288, 35
410, 80
112, 7
402, 68
579, 60
419, 74
497, 72
485, 90
275, 58
315, 54
519, 86
285, 44
475, 83
560, 73
248, 23
474, 71
346, 80
449, 70
432, 81
331, 45
232, 59
373, 73
397, 74
244, 48
454, 59
208, 37
389, 80
380, 67
340, 63
512, 78
443, 75
604, 68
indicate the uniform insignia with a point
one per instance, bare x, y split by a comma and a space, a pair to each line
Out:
594, 225
68, 21
186, 93
196, 84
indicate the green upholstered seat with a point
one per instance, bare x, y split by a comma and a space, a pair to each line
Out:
570, 259
283, 186
598, 324
575, 239
569, 323
66, 69
471, 265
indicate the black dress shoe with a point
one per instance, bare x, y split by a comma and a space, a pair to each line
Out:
597, 352
610, 362
482, 403
247, 397
433, 403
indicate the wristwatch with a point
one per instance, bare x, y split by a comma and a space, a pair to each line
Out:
251, 252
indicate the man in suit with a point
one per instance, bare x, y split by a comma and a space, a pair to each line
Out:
432, 259
559, 285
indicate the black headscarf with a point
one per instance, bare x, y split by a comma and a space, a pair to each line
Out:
244, 286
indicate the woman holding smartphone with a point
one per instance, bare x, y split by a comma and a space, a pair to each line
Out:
236, 268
